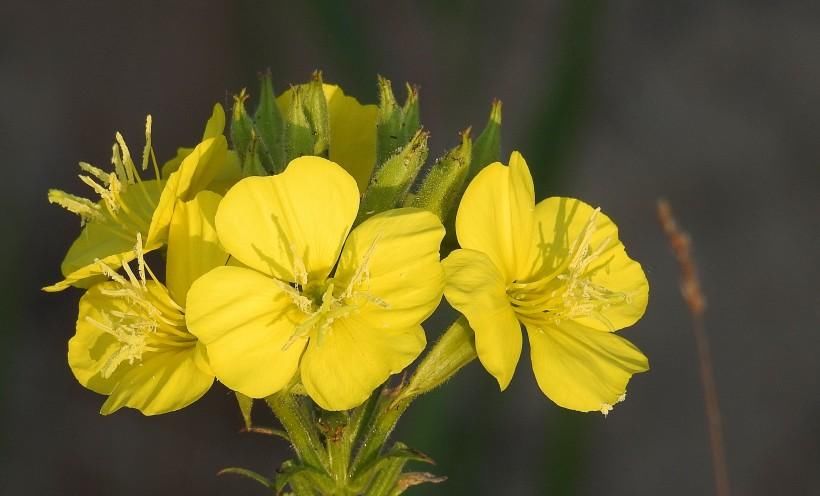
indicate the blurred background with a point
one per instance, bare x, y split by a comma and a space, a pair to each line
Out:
714, 107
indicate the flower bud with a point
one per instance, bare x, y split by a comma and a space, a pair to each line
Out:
442, 186
396, 125
269, 127
391, 182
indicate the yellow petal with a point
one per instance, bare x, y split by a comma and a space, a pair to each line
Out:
156, 382
291, 225
341, 369
352, 135
193, 245
110, 240
173, 165
216, 123
91, 348
583, 369
393, 261
559, 224
352, 131
476, 288
245, 320
162, 382
195, 174
495, 216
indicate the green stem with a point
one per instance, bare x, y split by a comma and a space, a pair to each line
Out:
300, 426
334, 427
375, 438
454, 349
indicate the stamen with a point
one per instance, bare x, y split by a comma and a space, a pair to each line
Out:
148, 321
85, 208
568, 292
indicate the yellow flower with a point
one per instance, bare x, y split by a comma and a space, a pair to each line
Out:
131, 205
352, 131
559, 269
131, 341
283, 312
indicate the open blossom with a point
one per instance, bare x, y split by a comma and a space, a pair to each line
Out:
132, 343
130, 205
339, 310
559, 269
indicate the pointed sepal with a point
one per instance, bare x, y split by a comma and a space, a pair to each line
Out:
441, 188
396, 125
391, 182
487, 147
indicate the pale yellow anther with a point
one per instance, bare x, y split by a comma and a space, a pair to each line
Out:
125, 161
83, 207
146, 151
100, 174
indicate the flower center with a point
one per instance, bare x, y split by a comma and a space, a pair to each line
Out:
324, 302
568, 292
141, 316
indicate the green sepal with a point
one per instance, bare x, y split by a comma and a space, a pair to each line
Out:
246, 407
249, 474
391, 182
411, 113
396, 125
269, 127
299, 140
487, 147
440, 188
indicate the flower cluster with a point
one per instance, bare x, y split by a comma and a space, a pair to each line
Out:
305, 257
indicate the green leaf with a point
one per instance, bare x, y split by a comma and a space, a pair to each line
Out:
399, 451
249, 474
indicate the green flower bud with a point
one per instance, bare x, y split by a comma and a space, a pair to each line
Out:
443, 184
396, 125
269, 127
391, 182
